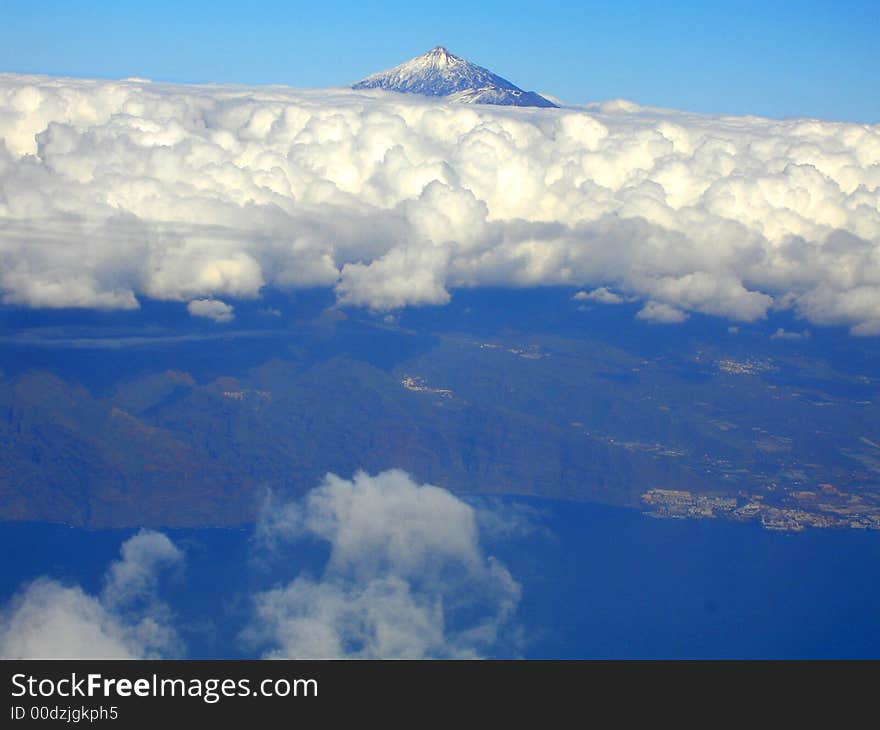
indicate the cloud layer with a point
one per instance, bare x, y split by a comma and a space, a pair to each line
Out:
406, 577
51, 620
111, 191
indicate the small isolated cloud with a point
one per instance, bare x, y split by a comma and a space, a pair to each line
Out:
211, 309
662, 313
407, 576
782, 334
51, 620
601, 295
500, 519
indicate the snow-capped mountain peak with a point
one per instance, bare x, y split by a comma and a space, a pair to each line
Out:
439, 57
440, 73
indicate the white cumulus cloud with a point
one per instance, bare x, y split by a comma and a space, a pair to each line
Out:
782, 334
603, 295
660, 312
407, 576
111, 191
51, 620
211, 309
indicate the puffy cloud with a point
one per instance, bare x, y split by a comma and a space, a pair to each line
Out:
500, 519
602, 295
659, 312
211, 309
136, 575
406, 576
50, 620
782, 334
115, 190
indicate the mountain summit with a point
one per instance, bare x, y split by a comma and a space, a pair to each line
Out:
439, 73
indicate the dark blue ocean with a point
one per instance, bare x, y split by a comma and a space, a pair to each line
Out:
598, 582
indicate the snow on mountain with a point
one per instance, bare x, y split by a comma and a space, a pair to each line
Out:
440, 73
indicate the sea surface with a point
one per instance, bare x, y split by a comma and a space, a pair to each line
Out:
598, 582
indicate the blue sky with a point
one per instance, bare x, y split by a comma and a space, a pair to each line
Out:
769, 58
